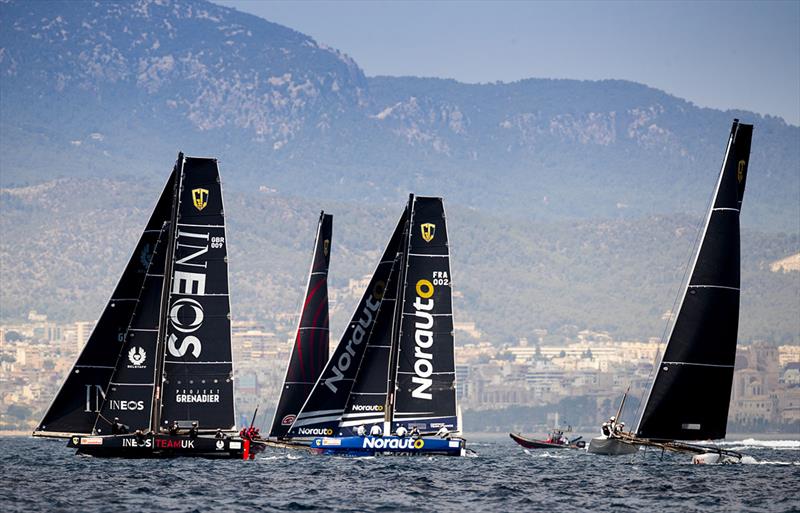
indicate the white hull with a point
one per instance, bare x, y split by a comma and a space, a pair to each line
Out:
610, 447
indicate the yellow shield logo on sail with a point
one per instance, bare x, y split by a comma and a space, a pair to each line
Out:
740, 170
200, 198
326, 246
428, 230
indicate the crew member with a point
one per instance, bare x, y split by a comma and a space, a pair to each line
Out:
414, 433
173, 429
193, 430
376, 431
605, 430
117, 428
361, 431
443, 433
402, 431
219, 434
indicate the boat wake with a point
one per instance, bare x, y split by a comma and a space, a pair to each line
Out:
539, 454
752, 443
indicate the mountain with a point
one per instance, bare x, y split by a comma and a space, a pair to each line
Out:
563, 193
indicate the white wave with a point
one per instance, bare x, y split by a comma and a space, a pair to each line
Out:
766, 444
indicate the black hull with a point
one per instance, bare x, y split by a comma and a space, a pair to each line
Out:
165, 446
530, 443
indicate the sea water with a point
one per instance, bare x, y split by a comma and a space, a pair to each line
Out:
43, 475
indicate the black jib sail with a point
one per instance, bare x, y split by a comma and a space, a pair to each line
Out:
690, 395
78, 402
129, 395
424, 382
326, 403
197, 370
367, 402
310, 351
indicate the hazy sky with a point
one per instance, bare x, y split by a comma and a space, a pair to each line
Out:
715, 54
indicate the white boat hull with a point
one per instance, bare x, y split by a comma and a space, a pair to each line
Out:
610, 446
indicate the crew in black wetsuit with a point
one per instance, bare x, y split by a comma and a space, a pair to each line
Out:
173, 429
193, 430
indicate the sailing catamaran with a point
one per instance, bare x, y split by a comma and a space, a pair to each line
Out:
394, 369
155, 378
310, 352
690, 395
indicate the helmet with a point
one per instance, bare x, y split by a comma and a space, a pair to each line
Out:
116, 419
194, 423
613, 418
605, 424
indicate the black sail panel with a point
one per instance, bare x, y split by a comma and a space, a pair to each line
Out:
367, 402
326, 403
76, 405
198, 369
691, 392
310, 351
129, 394
425, 392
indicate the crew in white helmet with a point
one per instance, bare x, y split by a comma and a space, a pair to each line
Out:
605, 430
443, 433
376, 431
361, 431
402, 431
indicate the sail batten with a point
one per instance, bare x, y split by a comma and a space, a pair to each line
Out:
690, 394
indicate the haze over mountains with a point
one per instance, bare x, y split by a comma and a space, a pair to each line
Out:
561, 194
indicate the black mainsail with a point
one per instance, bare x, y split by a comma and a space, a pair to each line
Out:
80, 398
310, 351
690, 395
326, 403
423, 388
197, 372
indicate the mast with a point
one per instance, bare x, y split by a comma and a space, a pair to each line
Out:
310, 351
690, 395
397, 315
155, 415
